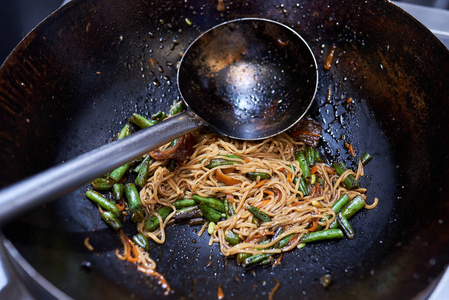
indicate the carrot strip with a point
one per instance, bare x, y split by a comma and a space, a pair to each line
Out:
278, 260
228, 170
262, 203
230, 198
289, 177
121, 205
220, 294
314, 226
258, 236
351, 150
268, 192
330, 57
221, 6
329, 170
314, 169
275, 288
260, 183
225, 178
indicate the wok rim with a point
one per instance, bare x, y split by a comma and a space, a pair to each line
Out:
15, 254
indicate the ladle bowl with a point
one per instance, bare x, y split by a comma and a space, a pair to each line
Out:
248, 79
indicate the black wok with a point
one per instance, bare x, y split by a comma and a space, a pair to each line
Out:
70, 84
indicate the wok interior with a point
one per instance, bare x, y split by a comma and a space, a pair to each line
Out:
71, 84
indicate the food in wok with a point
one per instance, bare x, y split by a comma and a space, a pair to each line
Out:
256, 199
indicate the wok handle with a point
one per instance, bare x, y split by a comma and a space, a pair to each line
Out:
66, 177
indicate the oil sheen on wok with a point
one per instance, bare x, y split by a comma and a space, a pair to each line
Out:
254, 199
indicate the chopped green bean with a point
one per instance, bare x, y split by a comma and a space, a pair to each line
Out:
142, 176
303, 164
118, 173
340, 203
231, 156
232, 238
148, 159
188, 213
366, 158
153, 222
112, 220
229, 209
141, 241
117, 191
102, 184
345, 226
211, 228
322, 235
254, 259
209, 213
103, 202
284, 241
301, 245
181, 203
312, 179
267, 261
141, 121
303, 186
336, 207
176, 108
310, 155
255, 175
214, 203
241, 257
317, 156
159, 116
134, 204
262, 243
218, 162
350, 181
126, 130
259, 214
256, 221
353, 206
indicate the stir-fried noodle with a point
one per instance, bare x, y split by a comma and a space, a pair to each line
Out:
278, 196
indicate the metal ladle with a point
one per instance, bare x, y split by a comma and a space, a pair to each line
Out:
248, 79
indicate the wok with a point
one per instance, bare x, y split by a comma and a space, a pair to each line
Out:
71, 83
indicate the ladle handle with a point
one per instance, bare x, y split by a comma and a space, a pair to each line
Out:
66, 177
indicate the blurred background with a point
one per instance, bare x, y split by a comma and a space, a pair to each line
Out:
18, 17
444, 4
